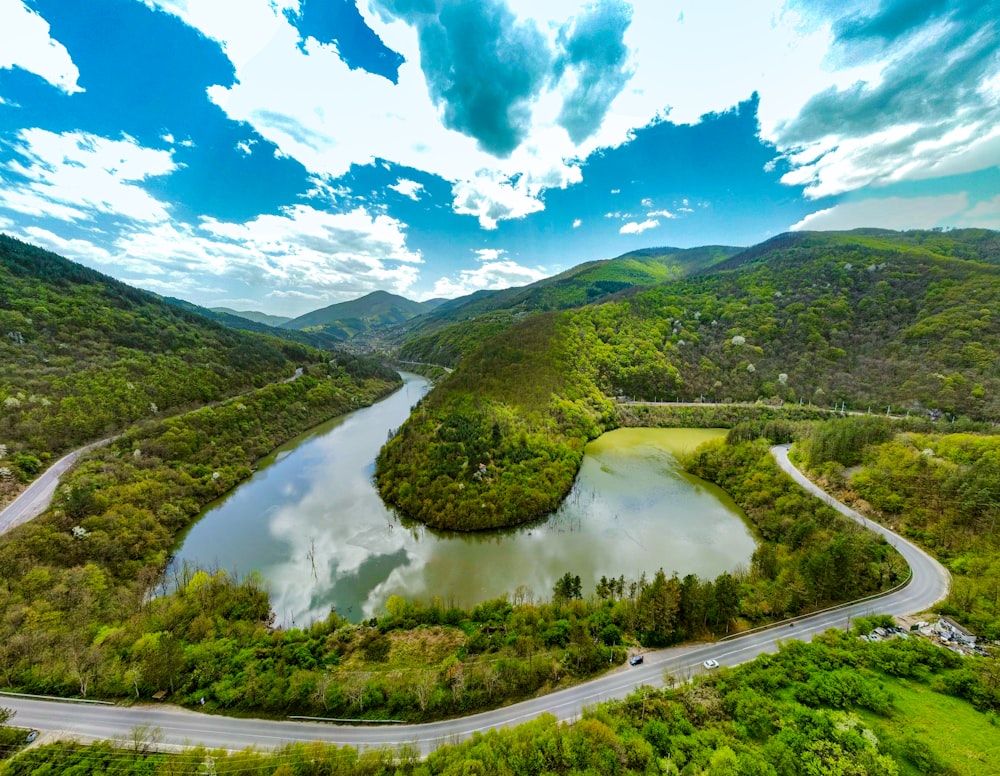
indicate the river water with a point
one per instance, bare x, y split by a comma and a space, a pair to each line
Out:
312, 524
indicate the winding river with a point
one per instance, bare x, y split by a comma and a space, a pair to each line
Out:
312, 524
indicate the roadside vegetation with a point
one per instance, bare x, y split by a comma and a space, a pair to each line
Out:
835, 706
940, 490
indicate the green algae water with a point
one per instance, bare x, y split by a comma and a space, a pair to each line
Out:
311, 523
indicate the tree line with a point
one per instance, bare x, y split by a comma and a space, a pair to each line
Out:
835, 705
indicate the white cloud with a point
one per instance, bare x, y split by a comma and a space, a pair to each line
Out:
490, 275
354, 237
79, 177
490, 254
577, 223
401, 124
75, 175
634, 227
245, 147
408, 188
660, 214
79, 249
491, 199
705, 59
887, 213
298, 257
25, 42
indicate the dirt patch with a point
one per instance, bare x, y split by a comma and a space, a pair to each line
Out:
419, 648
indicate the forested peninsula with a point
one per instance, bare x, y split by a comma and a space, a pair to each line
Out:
904, 322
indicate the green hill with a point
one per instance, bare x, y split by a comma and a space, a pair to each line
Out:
253, 315
315, 339
346, 320
457, 327
866, 319
84, 355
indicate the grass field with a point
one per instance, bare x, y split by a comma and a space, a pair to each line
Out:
964, 741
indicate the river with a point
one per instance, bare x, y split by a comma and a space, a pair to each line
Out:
312, 524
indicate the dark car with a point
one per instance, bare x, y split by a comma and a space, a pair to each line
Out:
635, 660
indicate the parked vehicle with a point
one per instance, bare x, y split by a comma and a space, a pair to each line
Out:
635, 660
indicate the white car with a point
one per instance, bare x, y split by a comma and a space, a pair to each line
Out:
711, 663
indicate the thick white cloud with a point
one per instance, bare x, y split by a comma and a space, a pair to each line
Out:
75, 175
25, 42
335, 116
889, 213
924, 105
301, 258
491, 199
84, 178
636, 227
79, 249
489, 275
408, 188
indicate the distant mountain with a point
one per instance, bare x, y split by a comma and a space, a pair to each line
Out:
446, 334
316, 339
346, 320
253, 315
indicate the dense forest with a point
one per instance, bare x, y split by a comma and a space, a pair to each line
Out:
855, 320
454, 329
84, 356
835, 706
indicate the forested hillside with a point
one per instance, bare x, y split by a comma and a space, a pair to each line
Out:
857, 319
84, 356
456, 328
314, 339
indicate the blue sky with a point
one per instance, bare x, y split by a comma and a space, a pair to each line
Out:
282, 155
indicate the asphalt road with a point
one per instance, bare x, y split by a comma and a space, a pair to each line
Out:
36, 498
929, 584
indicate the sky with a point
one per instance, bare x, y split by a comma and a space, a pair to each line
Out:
284, 155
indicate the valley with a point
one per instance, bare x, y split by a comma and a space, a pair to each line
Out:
508, 437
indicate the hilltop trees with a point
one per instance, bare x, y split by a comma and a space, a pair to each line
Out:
866, 319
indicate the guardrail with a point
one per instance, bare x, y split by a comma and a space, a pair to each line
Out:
834, 608
56, 698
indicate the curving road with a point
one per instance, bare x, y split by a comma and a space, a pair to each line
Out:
36, 498
929, 584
